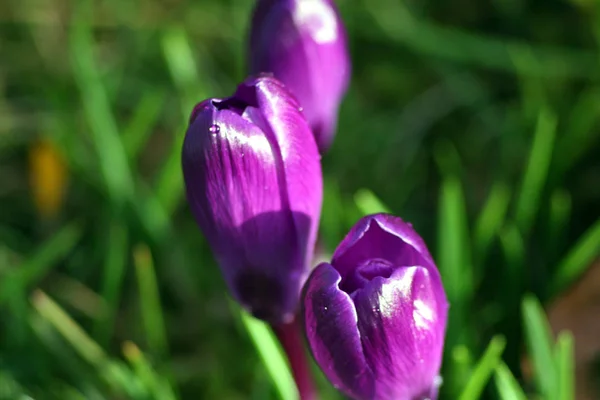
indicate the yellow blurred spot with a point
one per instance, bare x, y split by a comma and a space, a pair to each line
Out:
131, 351
47, 177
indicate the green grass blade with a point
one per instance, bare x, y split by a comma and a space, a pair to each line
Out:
183, 68
139, 128
578, 259
513, 246
536, 171
169, 185
10, 388
112, 279
452, 256
271, 354
101, 122
69, 329
491, 217
333, 214
156, 384
368, 203
185, 72
41, 261
462, 366
484, 369
151, 310
539, 343
533, 88
580, 131
565, 364
428, 38
452, 237
558, 218
507, 385
151, 213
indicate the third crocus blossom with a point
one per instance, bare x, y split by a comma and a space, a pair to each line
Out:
375, 317
303, 43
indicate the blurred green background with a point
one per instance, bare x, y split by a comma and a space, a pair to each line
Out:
476, 121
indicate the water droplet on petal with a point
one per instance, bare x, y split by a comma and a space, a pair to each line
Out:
214, 129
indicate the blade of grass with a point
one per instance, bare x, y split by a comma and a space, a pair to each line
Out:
169, 183
580, 132
491, 218
536, 171
484, 369
578, 259
513, 247
112, 280
558, 218
151, 214
10, 388
156, 384
533, 88
41, 261
453, 255
152, 315
115, 374
182, 64
101, 122
69, 329
474, 48
451, 238
539, 343
507, 385
565, 365
332, 226
462, 366
270, 352
139, 128
185, 73
77, 295
455, 270
368, 203
64, 357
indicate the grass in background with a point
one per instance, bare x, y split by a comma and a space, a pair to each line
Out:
476, 122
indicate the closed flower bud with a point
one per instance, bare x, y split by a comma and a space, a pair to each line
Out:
303, 43
253, 180
375, 317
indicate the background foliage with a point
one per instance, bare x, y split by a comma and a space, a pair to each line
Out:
476, 121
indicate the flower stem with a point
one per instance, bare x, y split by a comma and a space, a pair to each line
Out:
290, 337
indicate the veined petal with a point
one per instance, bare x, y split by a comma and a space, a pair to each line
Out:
402, 333
331, 330
381, 236
303, 43
242, 161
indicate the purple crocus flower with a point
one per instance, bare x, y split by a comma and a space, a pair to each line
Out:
375, 317
253, 179
303, 43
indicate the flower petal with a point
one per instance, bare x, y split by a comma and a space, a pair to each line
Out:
402, 333
243, 160
330, 321
381, 236
303, 43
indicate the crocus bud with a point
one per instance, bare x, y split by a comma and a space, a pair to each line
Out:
375, 317
303, 43
253, 180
